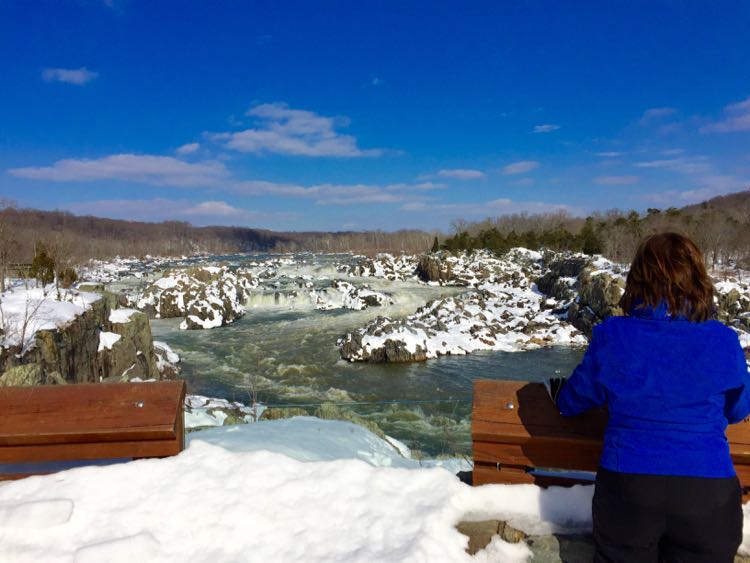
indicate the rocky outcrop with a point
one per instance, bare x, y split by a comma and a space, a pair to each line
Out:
70, 353
588, 288
131, 355
733, 302
344, 295
203, 412
93, 343
599, 295
504, 312
205, 297
383, 266
431, 268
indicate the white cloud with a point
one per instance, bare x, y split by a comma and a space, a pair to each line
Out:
283, 130
78, 76
501, 206
655, 114
736, 118
546, 128
460, 173
705, 188
683, 165
520, 167
149, 169
189, 148
616, 180
213, 209
161, 209
609, 154
337, 194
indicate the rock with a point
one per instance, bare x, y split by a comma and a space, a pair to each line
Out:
431, 268
561, 548
206, 297
167, 361
599, 297
133, 354
504, 311
286, 412
479, 533
72, 351
23, 375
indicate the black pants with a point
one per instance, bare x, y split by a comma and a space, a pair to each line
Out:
660, 519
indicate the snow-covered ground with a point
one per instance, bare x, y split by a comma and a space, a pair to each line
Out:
299, 489
24, 312
291, 490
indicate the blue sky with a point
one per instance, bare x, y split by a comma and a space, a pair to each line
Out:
359, 115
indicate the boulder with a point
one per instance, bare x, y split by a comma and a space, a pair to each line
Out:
599, 295
133, 354
23, 375
431, 268
72, 350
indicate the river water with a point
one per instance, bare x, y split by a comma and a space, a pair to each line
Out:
284, 352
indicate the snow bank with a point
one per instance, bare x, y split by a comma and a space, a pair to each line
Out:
219, 501
24, 312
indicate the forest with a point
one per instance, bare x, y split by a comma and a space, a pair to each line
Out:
720, 226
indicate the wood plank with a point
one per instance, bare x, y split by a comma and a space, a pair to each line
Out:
540, 453
488, 475
86, 412
89, 451
520, 410
516, 425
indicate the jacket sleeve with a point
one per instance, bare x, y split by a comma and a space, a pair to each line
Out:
583, 389
737, 400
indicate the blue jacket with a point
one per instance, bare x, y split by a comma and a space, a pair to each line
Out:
670, 385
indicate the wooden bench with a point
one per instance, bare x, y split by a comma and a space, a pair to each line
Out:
519, 437
43, 429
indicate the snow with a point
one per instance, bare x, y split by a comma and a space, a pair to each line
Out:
170, 354
261, 492
107, 340
120, 316
201, 412
38, 309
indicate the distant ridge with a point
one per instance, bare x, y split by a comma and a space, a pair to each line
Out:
83, 237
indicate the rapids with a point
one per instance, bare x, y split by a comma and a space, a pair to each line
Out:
283, 352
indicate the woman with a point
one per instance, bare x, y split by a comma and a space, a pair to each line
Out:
671, 379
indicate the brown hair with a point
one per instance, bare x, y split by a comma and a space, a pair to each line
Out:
669, 268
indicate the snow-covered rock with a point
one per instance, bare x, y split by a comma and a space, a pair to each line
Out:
167, 360
206, 297
342, 294
505, 312
203, 411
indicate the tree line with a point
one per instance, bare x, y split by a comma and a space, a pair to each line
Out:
72, 240
720, 227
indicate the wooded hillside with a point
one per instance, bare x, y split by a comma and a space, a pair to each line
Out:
81, 238
720, 226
